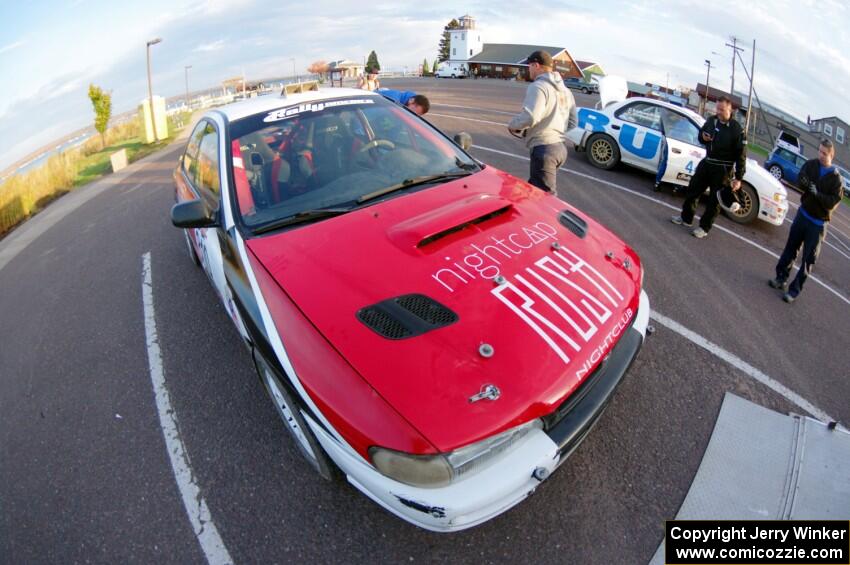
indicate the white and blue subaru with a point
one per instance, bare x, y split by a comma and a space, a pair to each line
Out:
647, 133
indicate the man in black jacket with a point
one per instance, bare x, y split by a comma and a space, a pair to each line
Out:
823, 191
726, 152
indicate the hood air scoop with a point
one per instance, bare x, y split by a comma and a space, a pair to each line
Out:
406, 316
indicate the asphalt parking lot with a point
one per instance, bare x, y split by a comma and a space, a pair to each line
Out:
85, 475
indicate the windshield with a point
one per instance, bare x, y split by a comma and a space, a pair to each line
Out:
301, 159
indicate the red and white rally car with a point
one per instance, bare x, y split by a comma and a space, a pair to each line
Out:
442, 333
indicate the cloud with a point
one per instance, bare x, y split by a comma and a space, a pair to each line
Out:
207, 47
11, 46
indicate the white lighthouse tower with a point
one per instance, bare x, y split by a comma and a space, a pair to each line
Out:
464, 42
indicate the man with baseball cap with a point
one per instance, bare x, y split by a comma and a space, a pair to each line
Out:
547, 111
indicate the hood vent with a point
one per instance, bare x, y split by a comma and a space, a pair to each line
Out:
406, 316
481, 219
573, 222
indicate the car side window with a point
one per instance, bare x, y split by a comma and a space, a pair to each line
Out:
190, 157
679, 127
207, 174
642, 114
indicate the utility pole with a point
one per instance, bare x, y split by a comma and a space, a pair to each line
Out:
735, 51
186, 69
758, 101
750, 96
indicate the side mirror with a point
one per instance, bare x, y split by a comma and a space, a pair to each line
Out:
464, 140
192, 214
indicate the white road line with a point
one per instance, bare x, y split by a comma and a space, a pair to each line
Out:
665, 204
742, 366
131, 189
196, 507
474, 108
504, 125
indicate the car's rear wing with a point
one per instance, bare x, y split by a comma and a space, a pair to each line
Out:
299, 87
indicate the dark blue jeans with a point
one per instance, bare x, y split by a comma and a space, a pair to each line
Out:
809, 235
545, 162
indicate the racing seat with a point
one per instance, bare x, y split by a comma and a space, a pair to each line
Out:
331, 149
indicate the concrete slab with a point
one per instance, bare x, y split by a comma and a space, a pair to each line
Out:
762, 465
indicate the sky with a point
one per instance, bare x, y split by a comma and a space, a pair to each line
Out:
51, 51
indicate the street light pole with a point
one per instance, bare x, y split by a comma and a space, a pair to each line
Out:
293, 68
153, 41
186, 69
707, 76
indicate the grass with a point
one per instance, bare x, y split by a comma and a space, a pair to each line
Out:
26, 194
758, 150
98, 164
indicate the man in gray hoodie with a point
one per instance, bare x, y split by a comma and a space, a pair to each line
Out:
547, 111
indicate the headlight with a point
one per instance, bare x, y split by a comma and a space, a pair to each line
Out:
433, 471
778, 196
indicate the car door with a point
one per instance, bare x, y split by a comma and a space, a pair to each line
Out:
639, 134
202, 174
684, 150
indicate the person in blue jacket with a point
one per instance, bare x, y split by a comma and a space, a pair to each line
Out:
416, 103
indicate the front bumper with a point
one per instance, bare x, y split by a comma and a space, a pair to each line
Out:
771, 211
511, 477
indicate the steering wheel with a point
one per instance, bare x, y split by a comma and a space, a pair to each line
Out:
376, 143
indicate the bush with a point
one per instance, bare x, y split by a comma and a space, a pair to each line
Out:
21, 195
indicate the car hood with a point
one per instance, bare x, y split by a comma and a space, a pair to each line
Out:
761, 179
532, 319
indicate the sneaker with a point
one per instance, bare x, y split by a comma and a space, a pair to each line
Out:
777, 283
680, 222
699, 233
789, 298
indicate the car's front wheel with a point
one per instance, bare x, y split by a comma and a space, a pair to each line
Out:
584, 90
602, 151
776, 171
749, 200
298, 428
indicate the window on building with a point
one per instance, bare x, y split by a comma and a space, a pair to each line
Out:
498, 69
463, 37
839, 134
454, 51
470, 52
827, 129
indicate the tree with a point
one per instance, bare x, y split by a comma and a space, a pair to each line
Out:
372, 62
318, 68
444, 51
102, 102
425, 67
434, 67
